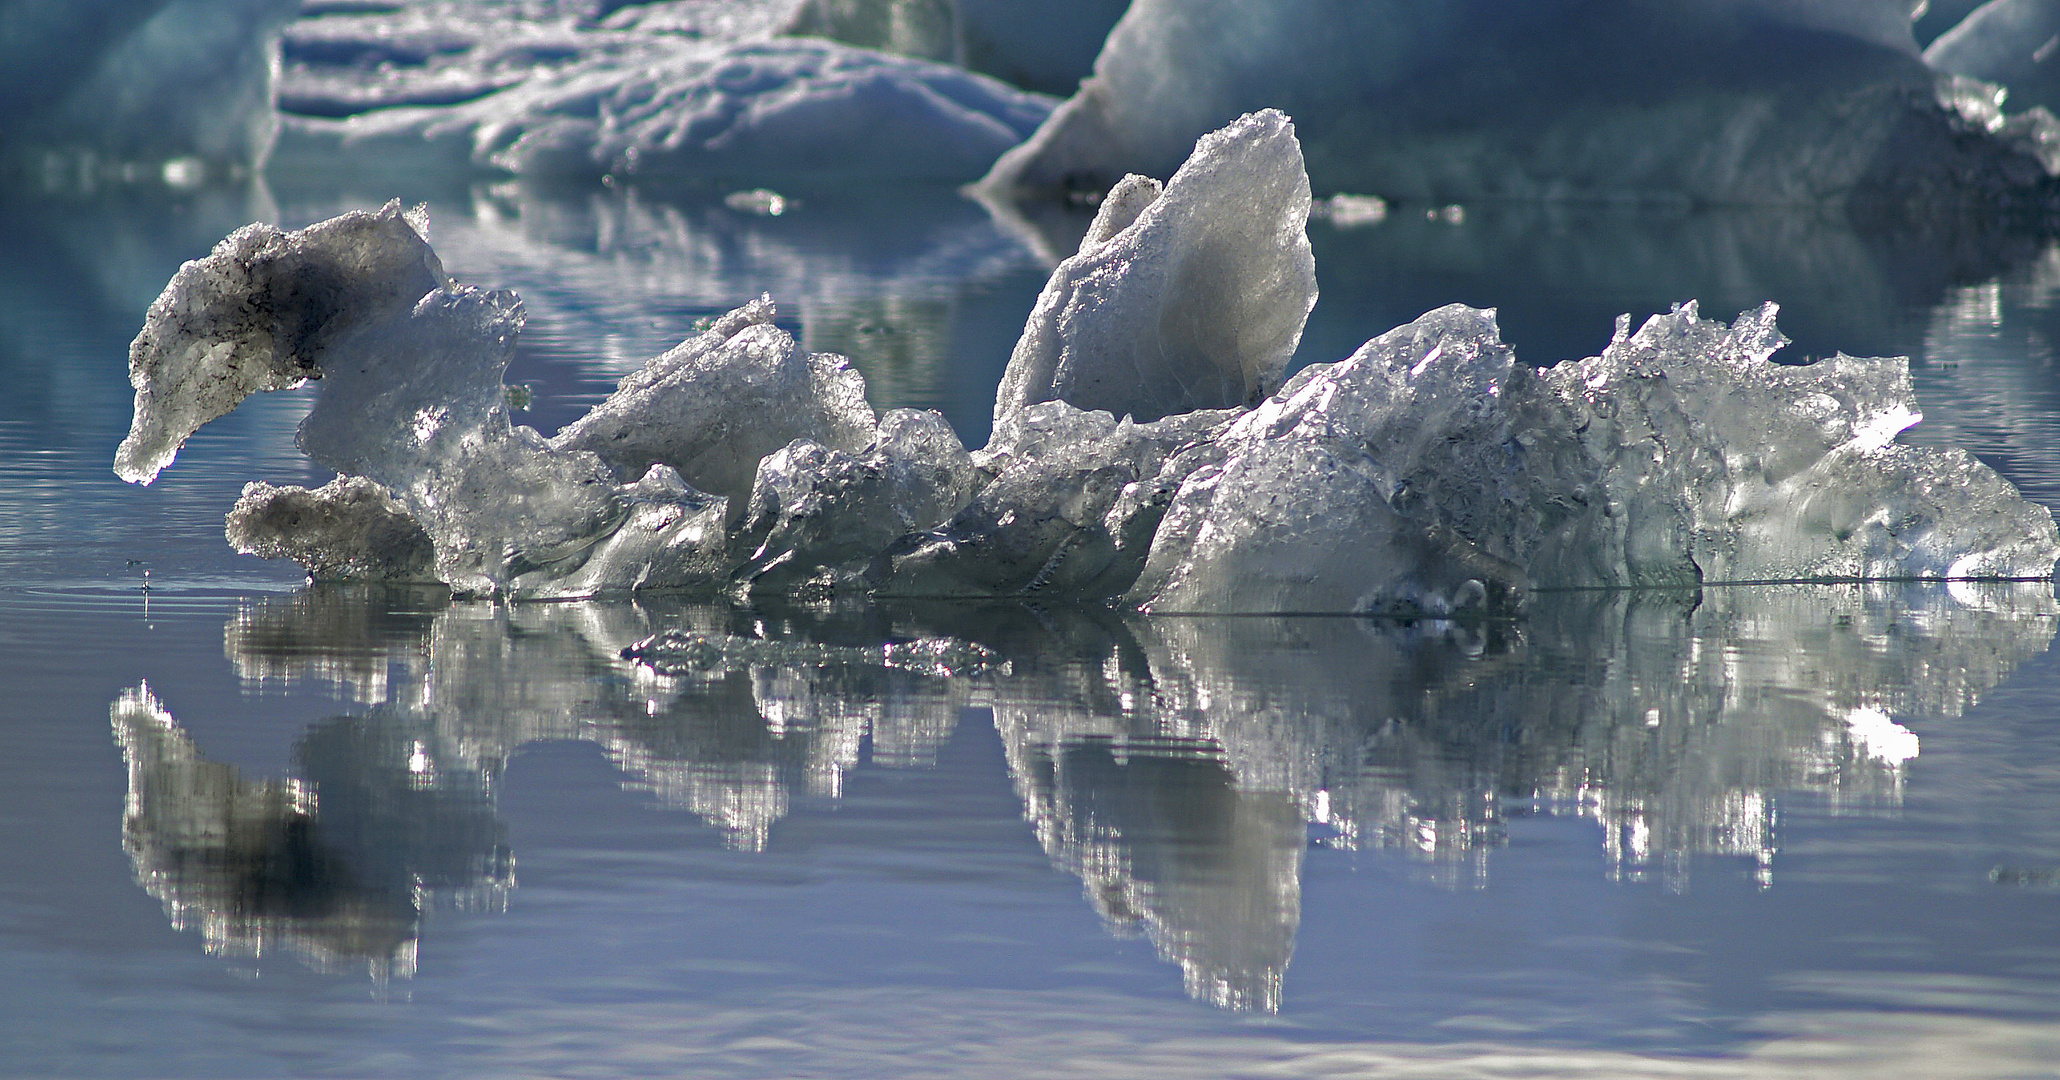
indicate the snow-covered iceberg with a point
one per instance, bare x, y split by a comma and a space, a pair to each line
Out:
1136, 452
1710, 102
90, 85
716, 99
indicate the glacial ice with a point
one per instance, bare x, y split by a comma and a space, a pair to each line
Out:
1428, 473
1193, 297
138, 82
676, 110
1679, 456
1711, 102
349, 529
740, 390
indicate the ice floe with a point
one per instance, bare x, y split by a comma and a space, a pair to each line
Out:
1712, 102
1136, 452
578, 100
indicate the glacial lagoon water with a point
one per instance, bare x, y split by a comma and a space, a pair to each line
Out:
259, 829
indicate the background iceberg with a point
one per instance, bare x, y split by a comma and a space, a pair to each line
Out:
93, 85
664, 94
1704, 103
2010, 43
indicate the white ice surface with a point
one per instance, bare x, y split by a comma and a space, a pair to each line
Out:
2009, 42
665, 108
1431, 473
1190, 298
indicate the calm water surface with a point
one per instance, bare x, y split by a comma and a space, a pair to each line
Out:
249, 828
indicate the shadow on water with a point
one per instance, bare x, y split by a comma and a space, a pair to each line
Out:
1177, 766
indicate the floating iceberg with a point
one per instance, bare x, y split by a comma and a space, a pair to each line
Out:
581, 102
1711, 102
125, 83
1141, 449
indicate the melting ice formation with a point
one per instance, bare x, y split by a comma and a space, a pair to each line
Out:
1145, 450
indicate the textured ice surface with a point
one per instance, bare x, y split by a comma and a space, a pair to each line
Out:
1193, 297
1428, 473
1070, 511
138, 82
713, 406
412, 399
1784, 101
818, 516
788, 113
349, 529
256, 314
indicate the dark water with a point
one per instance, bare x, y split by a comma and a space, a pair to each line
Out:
1745, 832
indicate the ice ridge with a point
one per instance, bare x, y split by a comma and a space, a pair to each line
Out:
1143, 453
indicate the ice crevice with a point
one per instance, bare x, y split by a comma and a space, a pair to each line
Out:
1146, 450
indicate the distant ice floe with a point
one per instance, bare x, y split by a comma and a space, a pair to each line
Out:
662, 93
1710, 102
1145, 450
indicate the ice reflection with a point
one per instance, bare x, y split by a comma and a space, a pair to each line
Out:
1177, 766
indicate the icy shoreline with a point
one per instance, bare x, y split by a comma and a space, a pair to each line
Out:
1145, 452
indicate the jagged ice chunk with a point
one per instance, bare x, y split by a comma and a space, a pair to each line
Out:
1140, 453
1193, 297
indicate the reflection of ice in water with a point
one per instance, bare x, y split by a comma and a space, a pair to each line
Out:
1174, 765
1988, 358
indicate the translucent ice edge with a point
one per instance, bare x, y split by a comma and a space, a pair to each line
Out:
1145, 450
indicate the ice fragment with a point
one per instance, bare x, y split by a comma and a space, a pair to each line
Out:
1193, 297
349, 529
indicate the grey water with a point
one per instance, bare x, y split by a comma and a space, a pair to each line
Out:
254, 828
